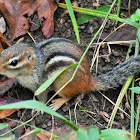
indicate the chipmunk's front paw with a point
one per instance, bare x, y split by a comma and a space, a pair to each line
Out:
56, 104
53, 105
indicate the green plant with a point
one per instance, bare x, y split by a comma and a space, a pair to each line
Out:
88, 133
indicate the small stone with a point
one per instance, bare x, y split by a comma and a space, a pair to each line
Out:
44, 126
49, 123
62, 20
82, 27
96, 4
91, 29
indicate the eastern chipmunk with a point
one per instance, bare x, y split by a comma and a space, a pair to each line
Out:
32, 65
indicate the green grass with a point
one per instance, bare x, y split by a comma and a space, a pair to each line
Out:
87, 133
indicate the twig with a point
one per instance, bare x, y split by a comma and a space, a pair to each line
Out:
115, 42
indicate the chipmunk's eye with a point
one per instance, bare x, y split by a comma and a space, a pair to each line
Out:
14, 62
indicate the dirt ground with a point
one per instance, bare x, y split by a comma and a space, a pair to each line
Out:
94, 103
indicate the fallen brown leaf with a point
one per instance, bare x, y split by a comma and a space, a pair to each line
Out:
3, 39
121, 35
6, 85
7, 112
46, 11
3, 42
1, 48
17, 14
29, 137
45, 136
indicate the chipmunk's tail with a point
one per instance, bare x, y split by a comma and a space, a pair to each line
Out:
119, 74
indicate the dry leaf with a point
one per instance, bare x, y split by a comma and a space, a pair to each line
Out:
3, 42
6, 85
45, 136
45, 12
121, 35
29, 137
7, 112
1, 48
17, 14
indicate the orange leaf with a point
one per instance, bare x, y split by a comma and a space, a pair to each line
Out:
7, 112
45, 136
3, 39
1, 48
46, 11
3, 42
17, 14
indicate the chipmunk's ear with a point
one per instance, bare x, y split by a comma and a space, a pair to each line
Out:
28, 53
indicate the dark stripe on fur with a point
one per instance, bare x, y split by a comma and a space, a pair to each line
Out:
57, 65
61, 54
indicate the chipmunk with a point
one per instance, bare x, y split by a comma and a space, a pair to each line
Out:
32, 65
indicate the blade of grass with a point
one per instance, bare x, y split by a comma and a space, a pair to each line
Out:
100, 14
32, 104
3, 125
122, 93
74, 22
137, 41
86, 18
132, 110
48, 82
129, 5
137, 117
136, 53
116, 134
18, 126
118, 10
129, 51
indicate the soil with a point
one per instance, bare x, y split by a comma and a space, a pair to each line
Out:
94, 103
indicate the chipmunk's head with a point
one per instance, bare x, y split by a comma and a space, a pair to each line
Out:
17, 60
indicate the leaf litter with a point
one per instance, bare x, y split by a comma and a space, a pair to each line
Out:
17, 15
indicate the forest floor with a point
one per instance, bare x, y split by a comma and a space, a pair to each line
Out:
93, 108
